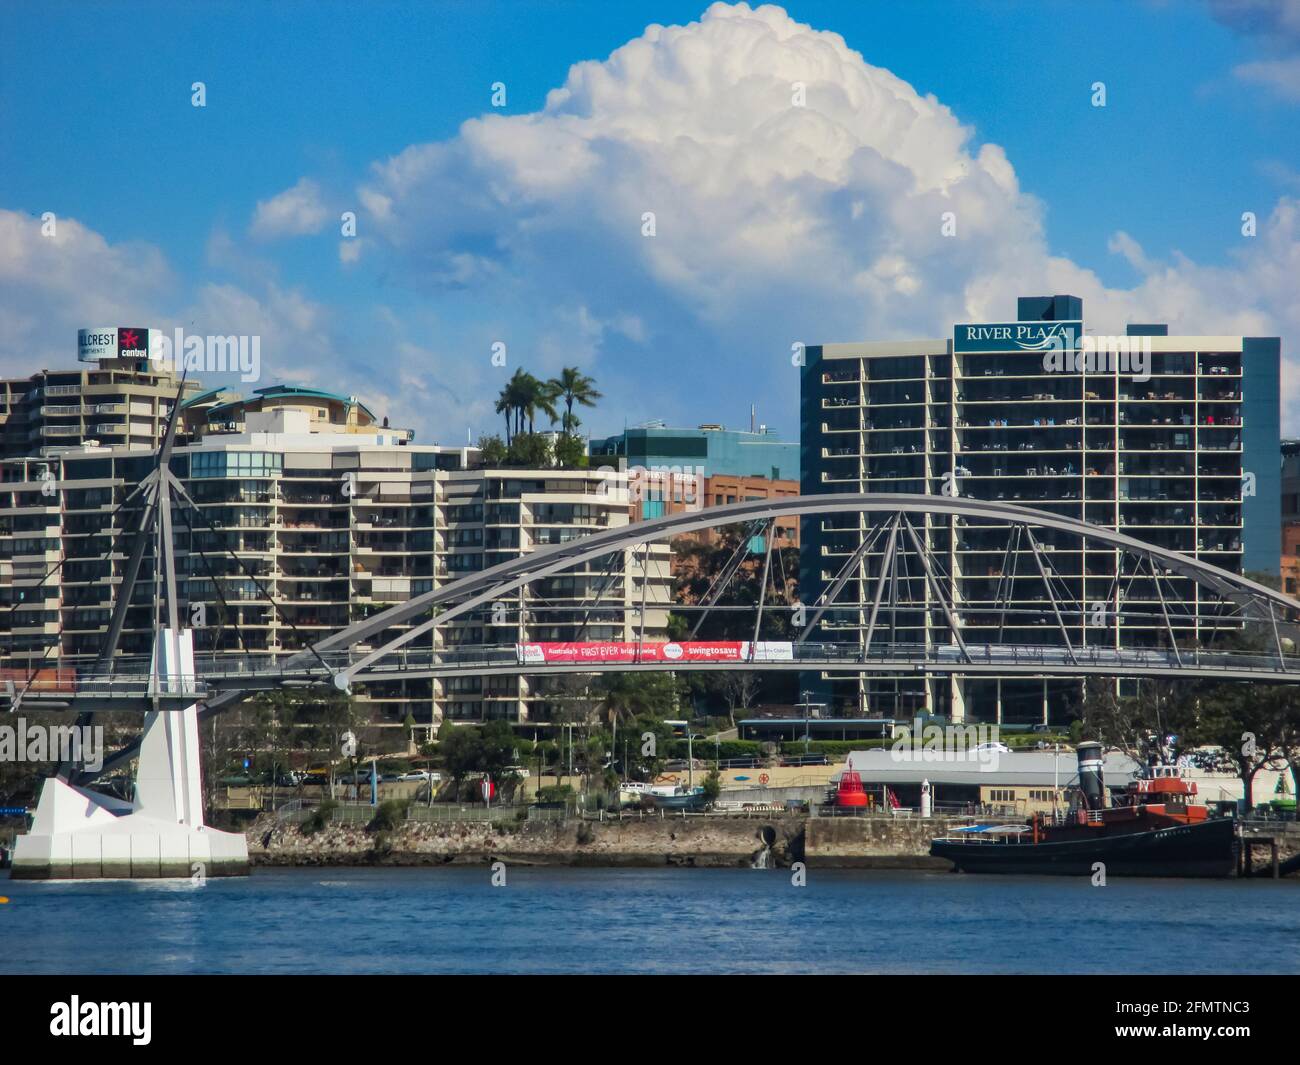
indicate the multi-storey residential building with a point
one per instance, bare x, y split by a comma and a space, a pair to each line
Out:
119, 402
1176, 445
333, 524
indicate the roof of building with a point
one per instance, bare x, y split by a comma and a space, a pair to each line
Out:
982, 768
290, 391
203, 397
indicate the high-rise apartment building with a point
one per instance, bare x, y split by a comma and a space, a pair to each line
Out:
1170, 439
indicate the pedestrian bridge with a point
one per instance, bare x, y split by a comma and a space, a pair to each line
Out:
1033, 611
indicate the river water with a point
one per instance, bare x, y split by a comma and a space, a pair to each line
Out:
454, 920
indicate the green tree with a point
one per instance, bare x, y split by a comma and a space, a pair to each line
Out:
495, 748
712, 786
493, 451
570, 451
623, 696
1248, 722
530, 451
460, 752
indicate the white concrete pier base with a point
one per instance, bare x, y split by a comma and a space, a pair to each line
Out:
80, 834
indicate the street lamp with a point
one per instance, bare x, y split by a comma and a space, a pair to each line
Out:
807, 705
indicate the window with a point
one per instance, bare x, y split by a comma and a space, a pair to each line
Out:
236, 464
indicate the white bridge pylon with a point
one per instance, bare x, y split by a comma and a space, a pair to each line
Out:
160, 832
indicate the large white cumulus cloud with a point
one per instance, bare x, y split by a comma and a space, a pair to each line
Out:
774, 222
840, 199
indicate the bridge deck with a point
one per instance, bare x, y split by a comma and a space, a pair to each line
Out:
125, 691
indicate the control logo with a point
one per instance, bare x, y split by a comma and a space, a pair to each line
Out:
77, 1018
133, 343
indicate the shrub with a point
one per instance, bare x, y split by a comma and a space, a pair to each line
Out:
388, 816
319, 818
706, 749
555, 793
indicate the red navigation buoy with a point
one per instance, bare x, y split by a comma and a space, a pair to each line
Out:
850, 791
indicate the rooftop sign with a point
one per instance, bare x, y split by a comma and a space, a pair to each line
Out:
1017, 336
112, 342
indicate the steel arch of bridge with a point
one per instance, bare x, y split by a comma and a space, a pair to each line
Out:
463, 595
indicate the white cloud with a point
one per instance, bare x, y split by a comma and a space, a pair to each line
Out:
295, 212
1276, 25
773, 222
1282, 76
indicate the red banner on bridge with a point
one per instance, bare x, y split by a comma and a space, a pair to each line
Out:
681, 651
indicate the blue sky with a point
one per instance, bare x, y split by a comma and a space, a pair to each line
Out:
96, 125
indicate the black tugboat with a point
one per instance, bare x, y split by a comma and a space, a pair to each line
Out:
1154, 829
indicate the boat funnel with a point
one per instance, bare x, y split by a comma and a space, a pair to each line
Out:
1092, 784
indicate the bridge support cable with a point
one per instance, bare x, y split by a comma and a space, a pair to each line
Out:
130, 575
1277, 638
1013, 555
1047, 583
827, 597
13, 695
645, 583
606, 579
1164, 610
899, 561
216, 588
187, 499
936, 589
724, 577
886, 566
142, 487
770, 536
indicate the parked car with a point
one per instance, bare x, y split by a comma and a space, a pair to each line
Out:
422, 775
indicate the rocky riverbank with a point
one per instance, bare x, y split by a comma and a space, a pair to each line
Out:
700, 842
779, 840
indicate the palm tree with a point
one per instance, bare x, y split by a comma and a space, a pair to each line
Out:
572, 386
538, 397
505, 406
514, 400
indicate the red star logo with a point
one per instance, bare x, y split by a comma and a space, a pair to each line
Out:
130, 339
